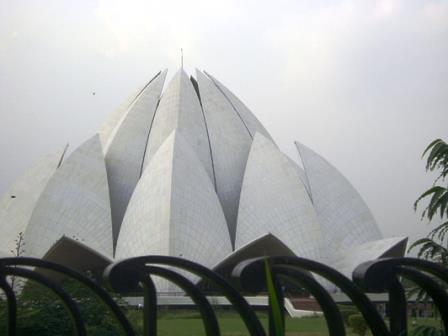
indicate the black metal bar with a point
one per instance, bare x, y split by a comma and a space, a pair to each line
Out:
69, 303
149, 307
435, 291
124, 276
208, 316
397, 309
362, 302
100, 292
377, 275
380, 275
329, 308
12, 306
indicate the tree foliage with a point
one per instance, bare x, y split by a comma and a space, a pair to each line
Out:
347, 311
434, 245
358, 324
40, 312
423, 330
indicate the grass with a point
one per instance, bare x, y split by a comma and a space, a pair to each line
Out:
189, 323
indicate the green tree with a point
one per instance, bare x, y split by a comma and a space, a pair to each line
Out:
434, 245
358, 324
40, 312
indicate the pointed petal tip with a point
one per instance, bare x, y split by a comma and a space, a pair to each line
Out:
199, 71
300, 145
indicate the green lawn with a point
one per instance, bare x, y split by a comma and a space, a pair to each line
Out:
188, 323
172, 322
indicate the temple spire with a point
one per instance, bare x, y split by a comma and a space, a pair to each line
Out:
181, 58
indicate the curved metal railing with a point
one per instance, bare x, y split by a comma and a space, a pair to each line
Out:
20, 266
129, 275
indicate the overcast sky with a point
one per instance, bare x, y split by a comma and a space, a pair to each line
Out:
363, 83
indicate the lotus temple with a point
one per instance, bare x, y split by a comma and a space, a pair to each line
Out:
187, 171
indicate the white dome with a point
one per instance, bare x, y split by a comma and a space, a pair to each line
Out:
189, 172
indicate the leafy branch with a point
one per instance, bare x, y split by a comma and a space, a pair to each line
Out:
433, 247
18, 251
274, 301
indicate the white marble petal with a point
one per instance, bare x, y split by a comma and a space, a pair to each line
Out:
230, 142
249, 119
113, 121
125, 154
274, 200
19, 201
348, 259
75, 203
345, 219
175, 210
179, 109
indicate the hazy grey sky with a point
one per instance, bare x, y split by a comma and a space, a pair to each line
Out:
364, 83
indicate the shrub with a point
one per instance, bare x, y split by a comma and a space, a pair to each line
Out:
346, 312
358, 324
40, 312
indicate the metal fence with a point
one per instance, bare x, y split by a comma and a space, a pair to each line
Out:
379, 276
